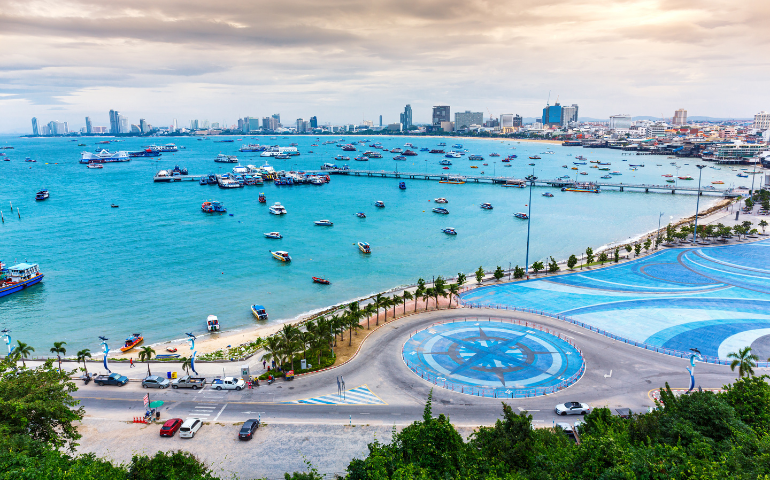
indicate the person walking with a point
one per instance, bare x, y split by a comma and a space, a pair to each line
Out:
131, 362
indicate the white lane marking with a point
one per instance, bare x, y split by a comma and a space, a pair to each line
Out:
220, 413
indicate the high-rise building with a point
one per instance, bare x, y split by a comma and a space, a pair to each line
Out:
300, 125
35, 129
518, 121
193, 124
761, 121
467, 118
144, 127
253, 124
569, 114
215, 125
506, 120
620, 121
440, 114
89, 126
680, 117
123, 126
380, 120
114, 123
552, 115
406, 117
56, 127
313, 122
135, 128
277, 118
174, 126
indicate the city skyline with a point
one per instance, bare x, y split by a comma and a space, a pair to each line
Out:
358, 61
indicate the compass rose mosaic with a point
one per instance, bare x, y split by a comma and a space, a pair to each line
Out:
497, 356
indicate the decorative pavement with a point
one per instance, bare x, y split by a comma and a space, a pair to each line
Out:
715, 299
356, 396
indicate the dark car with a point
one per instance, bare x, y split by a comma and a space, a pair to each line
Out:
170, 427
248, 429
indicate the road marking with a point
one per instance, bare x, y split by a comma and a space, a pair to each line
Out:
357, 396
197, 414
526, 409
220, 413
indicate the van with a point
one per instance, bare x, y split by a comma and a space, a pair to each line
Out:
189, 427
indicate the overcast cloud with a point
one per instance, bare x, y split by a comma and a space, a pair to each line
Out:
346, 60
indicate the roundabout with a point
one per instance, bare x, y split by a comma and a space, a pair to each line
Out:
493, 358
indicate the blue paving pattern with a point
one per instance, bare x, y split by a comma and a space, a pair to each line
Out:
492, 356
716, 299
355, 396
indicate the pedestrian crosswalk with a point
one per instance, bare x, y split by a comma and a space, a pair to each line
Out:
357, 396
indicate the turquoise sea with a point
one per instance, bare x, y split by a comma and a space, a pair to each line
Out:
158, 265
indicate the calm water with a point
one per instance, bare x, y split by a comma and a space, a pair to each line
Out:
159, 266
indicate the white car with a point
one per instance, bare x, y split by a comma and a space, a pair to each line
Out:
228, 383
189, 427
572, 408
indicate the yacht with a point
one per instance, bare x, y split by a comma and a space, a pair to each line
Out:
278, 209
104, 156
281, 255
323, 223
452, 155
275, 235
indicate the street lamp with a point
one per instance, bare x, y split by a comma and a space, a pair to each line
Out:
531, 179
697, 203
657, 240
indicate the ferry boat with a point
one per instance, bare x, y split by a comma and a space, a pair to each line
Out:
379, 203
42, 195
449, 231
361, 215
445, 162
399, 158
442, 211
259, 312
322, 281
132, 341
212, 323
262, 198
240, 170
364, 247
281, 255
534, 157
548, 194
213, 207
253, 147
18, 277
222, 158
521, 215
486, 206
477, 158
441, 200
277, 209
95, 165
104, 156
323, 223
409, 153
169, 147
402, 185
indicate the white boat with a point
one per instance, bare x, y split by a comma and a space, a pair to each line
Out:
212, 323
239, 170
222, 158
274, 235
104, 156
441, 200
282, 256
323, 223
95, 165
169, 147
278, 209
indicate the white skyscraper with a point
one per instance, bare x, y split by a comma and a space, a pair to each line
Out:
620, 121
761, 120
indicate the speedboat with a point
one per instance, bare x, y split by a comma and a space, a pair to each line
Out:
212, 323
718, 182
548, 194
42, 195
534, 157
361, 215
486, 206
445, 168
322, 281
449, 231
616, 173
452, 155
323, 223
399, 158
442, 211
475, 158
132, 341
364, 247
494, 154
445, 162
474, 166
259, 312
277, 209
402, 185
275, 235
31, 160
521, 215
213, 207
379, 203
281, 255
441, 200
262, 198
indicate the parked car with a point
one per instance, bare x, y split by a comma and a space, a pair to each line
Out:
568, 429
190, 427
170, 427
247, 430
112, 379
228, 383
189, 382
572, 408
154, 381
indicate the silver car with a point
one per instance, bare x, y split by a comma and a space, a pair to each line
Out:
190, 427
572, 408
154, 381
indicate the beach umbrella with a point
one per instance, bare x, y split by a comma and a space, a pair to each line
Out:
156, 403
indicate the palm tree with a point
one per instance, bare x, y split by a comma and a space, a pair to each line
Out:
289, 343
353, 324
272, 350
369, 310
378, 304
145, 354
744, 360
454, 289
186, 364
59, 350
426, 295
82, 356
354, 309
407, 297
418, 294
385, 304
23, 351
395, 300
438, 289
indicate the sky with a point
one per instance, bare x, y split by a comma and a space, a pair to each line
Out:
350, 60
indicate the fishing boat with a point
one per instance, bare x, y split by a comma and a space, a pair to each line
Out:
322, 281
212, 323
637, 165
718, 182
361, 215
259, 312
687, 177
486, 206
213, 207
281, 255
442, 211
323, 223
449, 231
521, 215
262, 198
604, 169
441, 200
442, 144
18, 277
275, 235
379, 203
445, 168
548, 194
42, 195
364, 247
277, 209
534, 157
132, 341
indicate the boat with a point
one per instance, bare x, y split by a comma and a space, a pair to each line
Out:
410, 153
399, 158
521, 215
361, 215
275, 235
281, 255
637, 165
531, 164
457, 145
445, 168
104, 156
616, 173
610, 176
687, 177
515, 184
580, 189
396, 150
132, 341
372, 154
574, 168
342, 158
42, 195
425, 149
364, 247
453, 181
564, 166
506, 160
323, 223
348, 148
222, 158
604, 169
452, 155
277, 209
18, 277
213, 207
668, 175
578, 163
402, 185
670, 181
742, 175
262, 198
485, 164
494, 154
169, 147
436, 150
144, 153
548, 194
114, 206
441, 200
322, 281
584, 173
259, 312
474, 166
442, 144
442, 211
449, 231
31, 160
212, 323
361, 158
171, 349
445, 162
379, 203
486, 206
534, 157
718, 182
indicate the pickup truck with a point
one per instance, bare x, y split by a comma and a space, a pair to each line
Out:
189, 382
228, 383
112, 379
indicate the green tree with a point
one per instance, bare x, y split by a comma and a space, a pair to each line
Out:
272, 350
186, 364
537, 266
629, 248
418, 293
59, 350
368, 311
553, 267
407, 297
378, 302
454, 290
84, 355
480, 275
763, 223
637, 249
145, 355
385, 303
23, 351
439, 289
744, 360
750, 397
603, 257
510, 441
499, 274
518, 272
354, 325
589, 256
647, 244
461, 279
427, 294
168, 465
616, 254
571, 262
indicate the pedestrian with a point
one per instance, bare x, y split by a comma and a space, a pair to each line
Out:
264, 362
131, 362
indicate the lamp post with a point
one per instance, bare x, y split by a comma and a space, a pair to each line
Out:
657, 240
697, 203
531, 179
